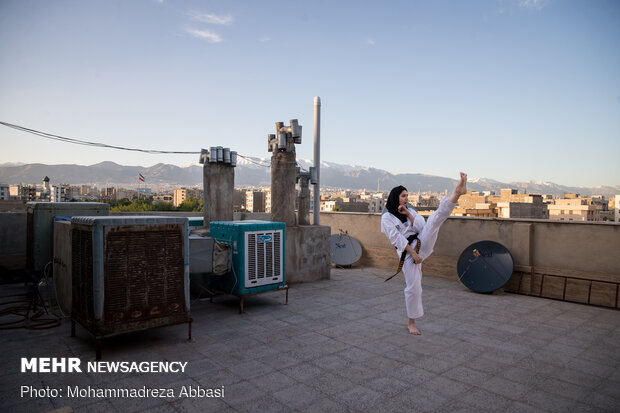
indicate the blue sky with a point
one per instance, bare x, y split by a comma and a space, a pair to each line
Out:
513, 90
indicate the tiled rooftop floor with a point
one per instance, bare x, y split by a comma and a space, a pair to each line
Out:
342, 346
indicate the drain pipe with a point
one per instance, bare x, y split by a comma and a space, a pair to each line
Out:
317, 159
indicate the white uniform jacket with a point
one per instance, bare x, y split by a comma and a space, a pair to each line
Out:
398, 232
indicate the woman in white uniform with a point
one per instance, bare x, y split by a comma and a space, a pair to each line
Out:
399, 223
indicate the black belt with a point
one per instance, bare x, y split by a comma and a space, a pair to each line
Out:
404, 253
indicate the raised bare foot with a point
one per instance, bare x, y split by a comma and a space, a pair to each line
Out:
461, 188
412, 328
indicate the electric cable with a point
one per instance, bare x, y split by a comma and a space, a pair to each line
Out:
30, 311
254, 162
104, 145
88, 143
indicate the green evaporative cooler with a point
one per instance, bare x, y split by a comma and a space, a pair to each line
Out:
257, 256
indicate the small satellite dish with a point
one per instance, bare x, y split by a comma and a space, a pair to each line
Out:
345, 250
485, 266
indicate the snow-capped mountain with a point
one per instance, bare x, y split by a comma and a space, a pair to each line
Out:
251, 171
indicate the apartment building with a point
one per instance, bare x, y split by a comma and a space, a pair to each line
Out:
181, 194
239, 200
482, 209
376, 205
267, 192
471, 199
511, 204
4, 192
254, 200
575, 209
23, 192
338, 205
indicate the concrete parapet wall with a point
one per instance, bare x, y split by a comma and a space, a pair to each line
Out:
573, 261
160, 213
307, 253
13, 240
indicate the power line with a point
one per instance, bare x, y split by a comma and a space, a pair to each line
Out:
87, 143
301, 168
103, 145
254, 162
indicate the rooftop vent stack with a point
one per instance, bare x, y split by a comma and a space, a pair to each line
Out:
219, 184
204, 156
213, 154
284, 171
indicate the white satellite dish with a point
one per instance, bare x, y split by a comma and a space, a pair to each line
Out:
345, 250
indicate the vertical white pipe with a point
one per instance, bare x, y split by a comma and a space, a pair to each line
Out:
317, 159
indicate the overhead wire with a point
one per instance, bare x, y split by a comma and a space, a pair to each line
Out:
88, 143
301, 168
104, 145
254, 162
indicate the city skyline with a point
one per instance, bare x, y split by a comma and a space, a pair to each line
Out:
250, 173
521, 90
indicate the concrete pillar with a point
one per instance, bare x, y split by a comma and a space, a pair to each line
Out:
283, 175
303, 213
219, 186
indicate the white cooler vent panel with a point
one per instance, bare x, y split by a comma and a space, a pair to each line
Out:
263, 260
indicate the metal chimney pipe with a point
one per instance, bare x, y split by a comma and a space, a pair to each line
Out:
317, 159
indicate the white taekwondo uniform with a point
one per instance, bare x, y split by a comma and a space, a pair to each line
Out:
398, 232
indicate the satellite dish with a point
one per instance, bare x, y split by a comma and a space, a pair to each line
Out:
345, 250
485, 266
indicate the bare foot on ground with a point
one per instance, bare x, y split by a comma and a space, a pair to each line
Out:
412, 328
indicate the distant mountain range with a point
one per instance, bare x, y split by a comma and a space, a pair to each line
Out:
257, 172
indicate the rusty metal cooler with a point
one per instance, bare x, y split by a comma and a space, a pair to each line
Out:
129, 274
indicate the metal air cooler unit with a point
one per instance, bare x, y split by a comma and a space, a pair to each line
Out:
129, 274
257, 256
62, 263
39, 218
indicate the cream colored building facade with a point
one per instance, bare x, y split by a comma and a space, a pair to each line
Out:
575, 209
181, 194
267, 192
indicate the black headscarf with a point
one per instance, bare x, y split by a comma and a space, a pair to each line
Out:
392, 203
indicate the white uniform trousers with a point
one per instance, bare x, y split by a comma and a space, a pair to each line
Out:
413, 271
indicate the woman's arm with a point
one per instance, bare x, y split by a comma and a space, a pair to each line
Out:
406, 211
416, 257
394, 234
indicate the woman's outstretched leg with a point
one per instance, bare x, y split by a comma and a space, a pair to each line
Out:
461, 189
428, 236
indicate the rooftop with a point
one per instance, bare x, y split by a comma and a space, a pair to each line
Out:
342, 345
